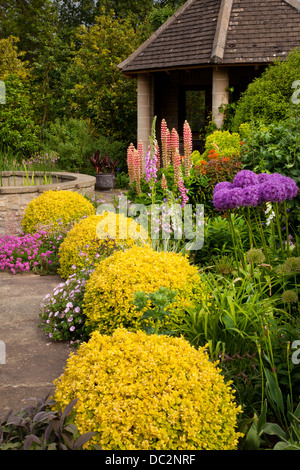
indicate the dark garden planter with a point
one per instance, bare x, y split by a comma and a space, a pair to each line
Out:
105, 181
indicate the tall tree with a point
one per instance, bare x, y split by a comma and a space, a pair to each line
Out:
22, 18
100, 91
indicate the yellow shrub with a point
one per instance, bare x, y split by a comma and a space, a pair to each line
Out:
143, 392
83, 239
57, 208
110, 289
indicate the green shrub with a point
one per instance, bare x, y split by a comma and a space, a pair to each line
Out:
72, 139
273, 148
19, 131
268, 98
224, 142
75, 139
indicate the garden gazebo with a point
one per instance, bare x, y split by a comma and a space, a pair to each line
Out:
186, 68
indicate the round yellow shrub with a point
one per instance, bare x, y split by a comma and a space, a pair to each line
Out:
85, 239
58, 208
110, 289
143, 392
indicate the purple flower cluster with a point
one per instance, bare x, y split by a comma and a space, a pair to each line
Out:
250, 189
61, 316
46, 159
19, 252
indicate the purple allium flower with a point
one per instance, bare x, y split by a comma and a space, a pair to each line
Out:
249, 189
273, 189
245, 178
222, 185
263, 177
251, 195
225, 199
290, 187
236, 198
221, 200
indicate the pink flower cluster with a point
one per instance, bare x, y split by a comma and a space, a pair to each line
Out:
18, 253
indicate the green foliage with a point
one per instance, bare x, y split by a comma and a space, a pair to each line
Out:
268, 98
40, 428
122, 180
224, 142
19, 131
100, 91
154, 307
236, 313
23, 19
72, 139
273, 148
257, 435
75, 139
11, 59
218, 239
157, 17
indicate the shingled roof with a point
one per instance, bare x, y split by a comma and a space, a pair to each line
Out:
203, 32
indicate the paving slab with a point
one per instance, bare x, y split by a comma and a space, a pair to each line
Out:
30, 362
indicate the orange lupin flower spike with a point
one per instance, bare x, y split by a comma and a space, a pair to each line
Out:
164, 141
174, 143
130, 166
137, 170
141, 154
177, 166
187, 140
164, 183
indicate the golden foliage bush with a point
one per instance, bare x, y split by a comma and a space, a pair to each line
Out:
58, 208
143, 392
110, 289
84, 241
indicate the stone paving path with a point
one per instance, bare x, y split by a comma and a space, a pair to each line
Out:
31, 362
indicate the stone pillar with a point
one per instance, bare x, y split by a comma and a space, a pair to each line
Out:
144, 109
220, 94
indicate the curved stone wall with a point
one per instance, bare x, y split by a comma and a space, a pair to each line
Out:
15, 195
